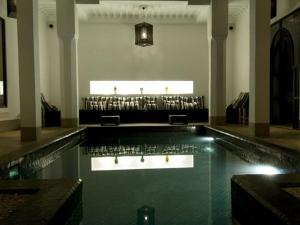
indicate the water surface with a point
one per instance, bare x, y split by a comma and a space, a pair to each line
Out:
182, 178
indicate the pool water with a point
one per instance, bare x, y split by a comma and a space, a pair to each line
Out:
179, 178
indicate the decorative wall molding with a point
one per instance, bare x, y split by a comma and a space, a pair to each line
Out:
236, 9
131, 12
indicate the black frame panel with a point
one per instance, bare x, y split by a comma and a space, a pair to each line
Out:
3, 52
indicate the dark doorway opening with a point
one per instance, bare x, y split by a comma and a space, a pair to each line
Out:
273, 8
284, 81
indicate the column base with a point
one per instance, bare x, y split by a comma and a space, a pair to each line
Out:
259, 129
217, 120
69, 122
30, 133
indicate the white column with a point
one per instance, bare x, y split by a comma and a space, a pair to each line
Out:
29, 69
217, 35
67, 29
259, 107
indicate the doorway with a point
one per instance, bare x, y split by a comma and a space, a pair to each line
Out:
284, 82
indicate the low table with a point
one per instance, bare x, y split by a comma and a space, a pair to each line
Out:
111, 119
178, 119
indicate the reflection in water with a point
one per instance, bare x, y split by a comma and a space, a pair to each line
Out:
265, 169
145, 149
198, 193
209, 139
76, 215
137, 157
142, 162
145, 215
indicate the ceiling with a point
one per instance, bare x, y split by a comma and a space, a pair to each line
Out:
132, 11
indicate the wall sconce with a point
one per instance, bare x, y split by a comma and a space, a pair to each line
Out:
144, 34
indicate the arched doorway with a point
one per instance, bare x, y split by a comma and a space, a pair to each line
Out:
284, 103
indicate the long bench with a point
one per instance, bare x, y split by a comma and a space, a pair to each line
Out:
139, 116
143, 109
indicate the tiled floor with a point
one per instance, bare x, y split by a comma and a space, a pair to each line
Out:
283, 136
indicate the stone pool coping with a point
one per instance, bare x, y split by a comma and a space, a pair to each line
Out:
38, 145
52, 201
251, 139
257, 151
261, 199
15, 158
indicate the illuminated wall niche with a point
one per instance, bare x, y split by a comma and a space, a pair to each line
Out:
140, 87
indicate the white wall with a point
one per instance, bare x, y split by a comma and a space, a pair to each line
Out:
45, 72
54, 67
108, 52
238, 47
284, 6
229, 67
49, 62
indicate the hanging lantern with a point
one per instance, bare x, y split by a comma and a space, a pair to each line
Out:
144, 34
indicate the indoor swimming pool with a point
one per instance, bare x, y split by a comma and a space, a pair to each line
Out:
161, 178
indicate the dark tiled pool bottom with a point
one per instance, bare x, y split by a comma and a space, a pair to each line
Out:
272, 200
38, 202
